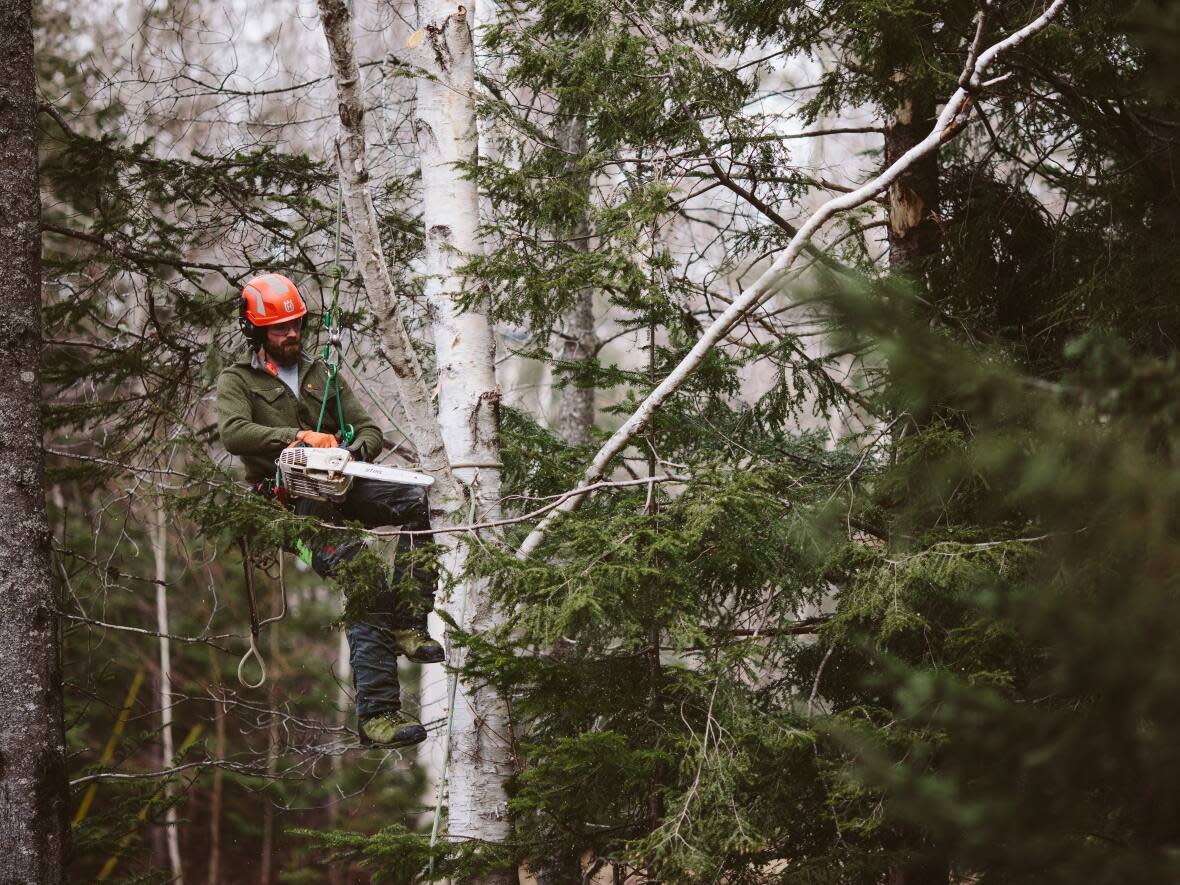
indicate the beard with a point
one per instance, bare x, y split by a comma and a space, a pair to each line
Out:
285, 354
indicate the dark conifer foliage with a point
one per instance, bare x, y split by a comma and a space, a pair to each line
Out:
884, 593
944, 648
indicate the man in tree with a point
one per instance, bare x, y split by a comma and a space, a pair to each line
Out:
275, 399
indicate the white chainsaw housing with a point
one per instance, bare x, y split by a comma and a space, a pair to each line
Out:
327, 474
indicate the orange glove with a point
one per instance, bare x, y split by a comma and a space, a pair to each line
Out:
317, 440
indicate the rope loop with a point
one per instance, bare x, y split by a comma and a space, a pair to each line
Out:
252, 651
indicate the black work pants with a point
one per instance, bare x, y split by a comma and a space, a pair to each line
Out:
372, 649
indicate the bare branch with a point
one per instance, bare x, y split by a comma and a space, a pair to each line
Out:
949, 123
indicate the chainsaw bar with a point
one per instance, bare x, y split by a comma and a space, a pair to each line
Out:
385, 473
327, 474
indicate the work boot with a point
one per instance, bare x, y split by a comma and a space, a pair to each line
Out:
396, 729
416, 644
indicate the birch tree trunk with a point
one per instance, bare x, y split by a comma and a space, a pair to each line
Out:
217, 793
266, 868
33, 791
465, 435
343, 673
168, 752
396, 346
469, 398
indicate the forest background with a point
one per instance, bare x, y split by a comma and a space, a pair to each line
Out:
883, 591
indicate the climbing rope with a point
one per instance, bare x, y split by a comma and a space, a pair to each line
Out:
332, 327
252, 601
255, 624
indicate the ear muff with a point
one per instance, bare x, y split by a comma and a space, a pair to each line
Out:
254, 335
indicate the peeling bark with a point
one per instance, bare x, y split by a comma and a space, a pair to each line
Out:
362, 221
468, 397
465, 437
33, 790
914, 233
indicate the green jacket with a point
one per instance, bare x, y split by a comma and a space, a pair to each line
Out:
259, 416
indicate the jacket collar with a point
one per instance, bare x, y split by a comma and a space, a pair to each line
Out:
256, 362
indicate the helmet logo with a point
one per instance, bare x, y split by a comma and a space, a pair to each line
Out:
289, 305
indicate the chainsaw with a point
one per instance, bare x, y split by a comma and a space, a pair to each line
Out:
327, 474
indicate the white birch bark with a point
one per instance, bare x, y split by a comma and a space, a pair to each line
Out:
168, 752
949, 123
217, 794
396, 346
465, 435
343, 672
469, 399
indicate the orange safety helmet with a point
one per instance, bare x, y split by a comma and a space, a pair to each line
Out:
267, 301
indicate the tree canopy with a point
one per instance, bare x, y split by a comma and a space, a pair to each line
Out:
883, 592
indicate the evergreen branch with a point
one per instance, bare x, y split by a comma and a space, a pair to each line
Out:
143, 257
804, 627
130, 468
817, 133
499, 523
949, 123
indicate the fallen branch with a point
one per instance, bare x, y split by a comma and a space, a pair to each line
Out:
950, 122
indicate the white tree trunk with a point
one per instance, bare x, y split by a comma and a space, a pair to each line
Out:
217, 793
168, 752
343, 673
465, 435
469, 399
362, 220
